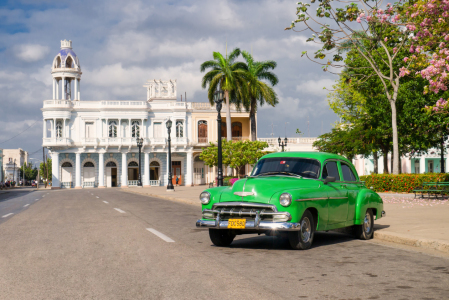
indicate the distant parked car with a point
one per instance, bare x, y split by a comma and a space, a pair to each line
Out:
292, 194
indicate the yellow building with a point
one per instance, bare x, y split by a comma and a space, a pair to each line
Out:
205, 130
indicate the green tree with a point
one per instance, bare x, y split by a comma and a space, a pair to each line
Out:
27, 172
43, 171
242, 153
230, 76
259, 92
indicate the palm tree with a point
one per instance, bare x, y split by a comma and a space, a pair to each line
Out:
259, 92
230, 76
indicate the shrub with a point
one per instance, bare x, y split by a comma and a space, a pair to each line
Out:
404, 183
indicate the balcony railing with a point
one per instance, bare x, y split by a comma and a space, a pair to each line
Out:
88, 184
90, 141
180, 141
158, 141
57, 104
132, 182
57, 142
66, 185
274, 141
202, 140
155, 182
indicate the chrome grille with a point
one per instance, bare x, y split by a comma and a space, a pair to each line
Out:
245, 210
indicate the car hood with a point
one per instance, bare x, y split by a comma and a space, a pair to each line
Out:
261, 189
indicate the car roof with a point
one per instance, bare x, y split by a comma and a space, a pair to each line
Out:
321, 156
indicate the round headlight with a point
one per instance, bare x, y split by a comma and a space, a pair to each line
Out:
205, 197
285, 199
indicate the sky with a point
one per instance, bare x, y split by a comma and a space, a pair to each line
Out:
122, 44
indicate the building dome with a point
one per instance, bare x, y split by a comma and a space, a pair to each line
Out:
66, 57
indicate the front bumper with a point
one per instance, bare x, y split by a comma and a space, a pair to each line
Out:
250, 225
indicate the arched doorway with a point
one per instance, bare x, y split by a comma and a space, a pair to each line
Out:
111, 174
154, 173
133, 173
176, 172
199, 174
202, 132
88, 174
66, 175
237, 131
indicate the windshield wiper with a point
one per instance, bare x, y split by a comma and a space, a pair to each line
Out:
275, 173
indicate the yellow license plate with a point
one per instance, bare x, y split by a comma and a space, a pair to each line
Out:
237, 223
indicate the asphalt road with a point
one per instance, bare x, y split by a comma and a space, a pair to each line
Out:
14, 201
108, 244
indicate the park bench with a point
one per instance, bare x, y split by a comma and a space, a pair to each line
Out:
432, 188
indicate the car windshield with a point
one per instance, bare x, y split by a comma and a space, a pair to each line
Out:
289, 166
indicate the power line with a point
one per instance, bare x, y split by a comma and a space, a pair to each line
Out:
20, 132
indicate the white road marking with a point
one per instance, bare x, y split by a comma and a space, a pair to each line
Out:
36, 200
97, 196
106, 202
25, 205
119, 210
5, 216
161, 235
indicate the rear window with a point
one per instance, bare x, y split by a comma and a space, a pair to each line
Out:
304, 167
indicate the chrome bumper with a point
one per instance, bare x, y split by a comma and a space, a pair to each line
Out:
384, 213
280, 226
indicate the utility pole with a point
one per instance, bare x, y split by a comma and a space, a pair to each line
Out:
46, 169
43, 165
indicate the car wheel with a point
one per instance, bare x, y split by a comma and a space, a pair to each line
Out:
303, 238
366, 230
221, 237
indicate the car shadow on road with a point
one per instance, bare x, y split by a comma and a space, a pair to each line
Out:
11, 194
322, 239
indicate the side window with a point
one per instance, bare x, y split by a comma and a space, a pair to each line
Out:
331, 169
347, 173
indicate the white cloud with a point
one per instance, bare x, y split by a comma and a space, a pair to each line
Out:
316, 87
31, 52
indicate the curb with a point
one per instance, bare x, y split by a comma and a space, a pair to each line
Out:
397, 238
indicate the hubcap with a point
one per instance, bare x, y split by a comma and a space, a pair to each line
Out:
306, 230
367, 223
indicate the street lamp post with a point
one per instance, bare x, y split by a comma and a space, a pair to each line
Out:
139, 144
170, 187
283, 144
218, 99
14, 172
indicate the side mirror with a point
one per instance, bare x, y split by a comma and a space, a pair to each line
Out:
329, 179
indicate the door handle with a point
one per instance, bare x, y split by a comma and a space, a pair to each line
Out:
344, 185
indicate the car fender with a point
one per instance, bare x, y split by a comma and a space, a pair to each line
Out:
367, 199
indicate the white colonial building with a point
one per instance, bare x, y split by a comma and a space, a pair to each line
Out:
93, 143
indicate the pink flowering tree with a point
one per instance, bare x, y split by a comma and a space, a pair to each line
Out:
372, 30
428, 22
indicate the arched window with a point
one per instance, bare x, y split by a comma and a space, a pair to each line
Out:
202, 131
154, 164
58, 129
133, 164
66, 165
58, 62
223, 130
154, 170
111, 164
69, 62
89, 164
236, 129
179, 129
112, 129
135, 129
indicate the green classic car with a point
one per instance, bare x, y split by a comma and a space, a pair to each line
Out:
292, 194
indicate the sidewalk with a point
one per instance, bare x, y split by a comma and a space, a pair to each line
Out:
413, 222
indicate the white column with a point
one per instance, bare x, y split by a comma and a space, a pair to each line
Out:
55, 170
78, 171
76, 89
124, 171
129, 128
54, 128
54, 88
189, 181
142, 135
101, 170
422, 165
57, 89
45, 128
119, 133
146, 167
79, 89
62, 88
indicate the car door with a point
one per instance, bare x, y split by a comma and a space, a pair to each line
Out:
352, 186
337, 194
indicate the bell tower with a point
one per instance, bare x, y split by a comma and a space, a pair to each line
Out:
66, 72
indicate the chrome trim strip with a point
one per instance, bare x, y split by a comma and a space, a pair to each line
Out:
312, 199
338, 198
258, 214
244, 194
281, 226
245, 204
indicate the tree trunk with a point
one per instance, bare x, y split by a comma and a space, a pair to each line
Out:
442, 155
395, 156
385, 156
252, 116
228, 117
400, 163
376, 162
